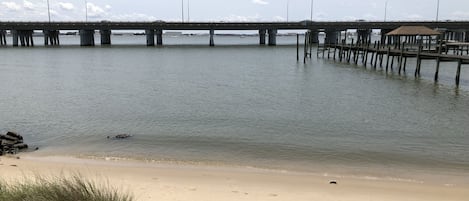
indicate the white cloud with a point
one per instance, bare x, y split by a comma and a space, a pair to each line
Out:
66, 6
133, 17
260, 2
28, 5
240, 18
460, 15
107, 7
414, 17
11, 5
95, 11
279, 19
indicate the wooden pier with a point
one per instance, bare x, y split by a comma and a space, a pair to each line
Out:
386, 55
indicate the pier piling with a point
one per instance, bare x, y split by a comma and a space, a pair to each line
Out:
105, 37
86, 37
262, 37
150, 34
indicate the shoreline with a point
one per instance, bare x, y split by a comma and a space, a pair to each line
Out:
171, 181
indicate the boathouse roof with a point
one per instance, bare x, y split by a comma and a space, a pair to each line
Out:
413, 31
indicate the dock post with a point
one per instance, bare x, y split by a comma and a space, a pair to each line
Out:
366, 54
419, 61
159, 37
86, 37
3, 38
349, 52
377, 55
261, 36
150, 33
438, 61
272, 37
401, 57
387, 60
105, 37
14, 35
335, 50
212, 32
46, 34
297, 47
458, 73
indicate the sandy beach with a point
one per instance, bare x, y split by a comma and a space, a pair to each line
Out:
168, 182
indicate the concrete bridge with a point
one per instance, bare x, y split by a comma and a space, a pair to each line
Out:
22, 32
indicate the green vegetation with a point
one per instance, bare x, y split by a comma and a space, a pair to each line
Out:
60, 189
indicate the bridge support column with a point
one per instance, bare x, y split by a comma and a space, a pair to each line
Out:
159, 37
25, 37
272, 37
212, 32
14, 36
261, 36
459, 36
150, 33
105, 37
314, 36
3, 39
86, 37
51, 36
331, 37
364, 36
383, 35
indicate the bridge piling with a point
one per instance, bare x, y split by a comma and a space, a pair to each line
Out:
150, 33
331, 36
212, 32
314, 36
105, 36
87, 37
14, 36
3, 40
272, 37
51, 36
159, 37
262, 36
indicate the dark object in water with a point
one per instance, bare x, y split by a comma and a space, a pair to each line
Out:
120, 136
333, 182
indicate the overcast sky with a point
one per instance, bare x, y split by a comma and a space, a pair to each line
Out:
232, 10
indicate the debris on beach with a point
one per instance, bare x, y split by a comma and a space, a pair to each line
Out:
11, 143
333, 182
120, 136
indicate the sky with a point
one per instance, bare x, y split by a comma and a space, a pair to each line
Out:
232, 10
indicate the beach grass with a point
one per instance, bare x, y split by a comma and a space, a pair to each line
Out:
74, 188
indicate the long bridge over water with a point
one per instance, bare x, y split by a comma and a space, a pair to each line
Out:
22, 32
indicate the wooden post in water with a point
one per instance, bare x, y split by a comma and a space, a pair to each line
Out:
419, 61
373, 54
458, 73
405, 63
297, 47
387, 60
401, 57
335, 49
377, 54
305, 53
438, 61
366, 54
349, 54
341, 51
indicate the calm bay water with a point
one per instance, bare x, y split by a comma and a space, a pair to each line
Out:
242, 104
